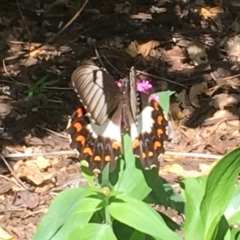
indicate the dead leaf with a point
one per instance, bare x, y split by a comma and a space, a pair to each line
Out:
42, 162
197, 53
233, 48
142, 16
174, 57
146, 48
30, 171
5, 235
222, 100
132, 49
210, 12
195, 90
174, 168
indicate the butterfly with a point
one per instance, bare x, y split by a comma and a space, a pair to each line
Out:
107, 111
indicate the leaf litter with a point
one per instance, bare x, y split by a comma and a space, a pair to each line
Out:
192, 49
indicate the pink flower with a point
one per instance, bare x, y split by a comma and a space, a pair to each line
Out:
142, 85
154, 97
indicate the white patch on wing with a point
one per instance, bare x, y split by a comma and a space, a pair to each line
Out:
108, 129
145, 120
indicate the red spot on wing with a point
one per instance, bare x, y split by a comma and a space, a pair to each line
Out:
157, 145
81, 139
116, 145
79, 112
135, 143
77, 126
88, 151
107, 158
160, 119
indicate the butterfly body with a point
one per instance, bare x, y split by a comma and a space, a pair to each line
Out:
107, 111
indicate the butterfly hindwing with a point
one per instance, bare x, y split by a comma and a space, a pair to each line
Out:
98, 145
149, 132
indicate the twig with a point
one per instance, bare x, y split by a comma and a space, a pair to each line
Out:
13, 173
195, 155
73, 153
48, 154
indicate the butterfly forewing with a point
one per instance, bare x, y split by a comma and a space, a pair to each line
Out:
97, 91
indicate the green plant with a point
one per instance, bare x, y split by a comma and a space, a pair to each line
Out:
38, 88
118, 207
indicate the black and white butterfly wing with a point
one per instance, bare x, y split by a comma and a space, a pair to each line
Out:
95, 128
97, 91
147, 126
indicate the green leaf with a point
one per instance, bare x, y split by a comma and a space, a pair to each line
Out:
208, 197
219, 189
164, 100
72, 206
193, 190
162, 193
92, 231
49, 83
140, 216
89, 176
137, 236
232, 212
131, 180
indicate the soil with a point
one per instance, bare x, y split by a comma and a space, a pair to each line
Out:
190, 47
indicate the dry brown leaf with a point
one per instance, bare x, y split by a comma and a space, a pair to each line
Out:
197, 53
174, 57
30, 171
132, 49
5, 235
210, 12
195, 90
222, 100
146, 48
142, 16
174, 168
42, 162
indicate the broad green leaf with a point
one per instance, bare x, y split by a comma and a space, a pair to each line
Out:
137, 236
89, 176
164, 100
140, 216
193, 190
219, 190
131, 180
162, 193
92, 231
235, 234
63, 207
232, 212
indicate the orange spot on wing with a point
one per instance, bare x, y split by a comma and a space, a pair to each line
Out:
143, 155
97, 158
107, 158
79, 112
150, 154
159, 132
116, 145
81, 139
156, 105
135, 143
87, 150
77, 126
157, 145
159, 119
